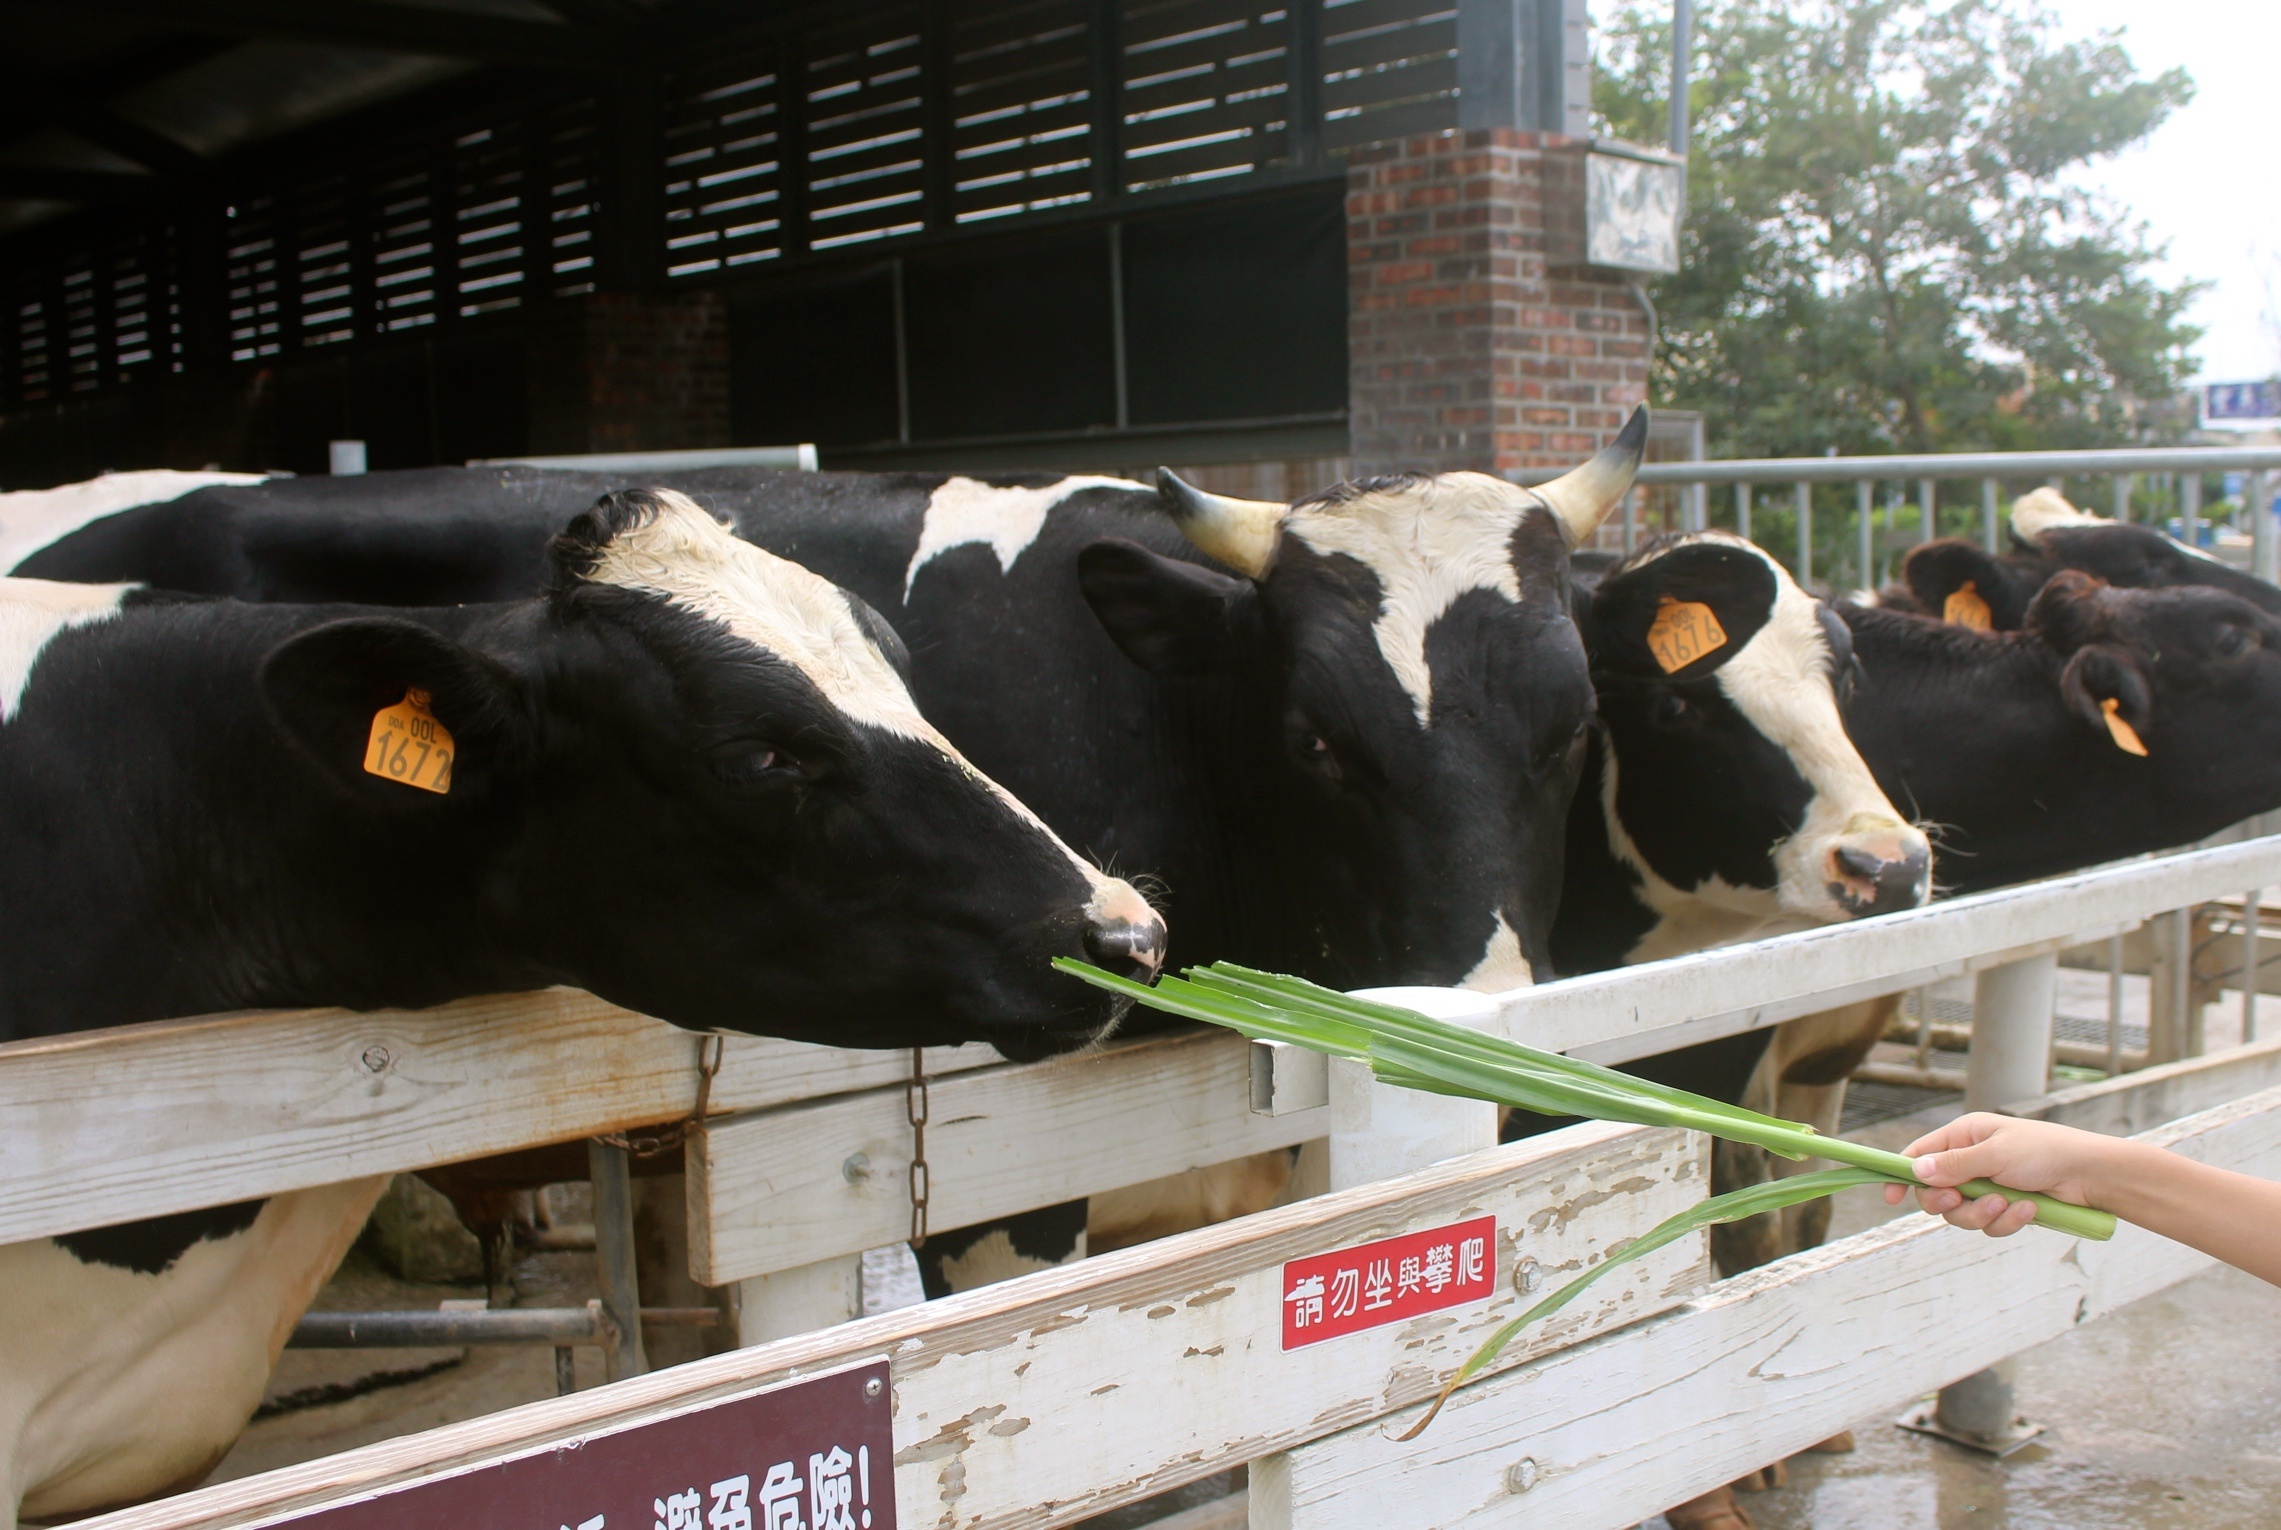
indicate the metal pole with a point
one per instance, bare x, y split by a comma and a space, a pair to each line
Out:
1631, 520
611, 1170
1804, 495
2249, 963
1925, 510
1865, 502
2190, 509
1990, 534
2010, 1060
2114, 1005
2122, 496
1682, 40
1742, 511
2261, 541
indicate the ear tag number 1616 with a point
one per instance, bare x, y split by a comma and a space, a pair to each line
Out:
409, 746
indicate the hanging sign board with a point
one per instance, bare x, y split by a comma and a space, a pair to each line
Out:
1632, 208
814, 1454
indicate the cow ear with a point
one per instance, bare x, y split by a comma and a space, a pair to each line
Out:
2068, 611
327, 689
2106, 687
1681, 613
1956, 582
1169, 617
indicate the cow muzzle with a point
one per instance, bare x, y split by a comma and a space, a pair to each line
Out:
1880, 871
1129, 947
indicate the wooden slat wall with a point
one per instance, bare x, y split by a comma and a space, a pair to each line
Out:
859, 129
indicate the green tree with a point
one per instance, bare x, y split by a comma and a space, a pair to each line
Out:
1885, 250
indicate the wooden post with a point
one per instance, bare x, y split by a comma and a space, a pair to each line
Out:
799, 1300
1379, 1131
2011, 1033
611, 1170
2171, 1031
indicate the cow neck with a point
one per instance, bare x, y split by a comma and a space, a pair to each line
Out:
170, 853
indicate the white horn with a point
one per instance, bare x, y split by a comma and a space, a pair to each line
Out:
1582, 497
1242, 533
2046, 509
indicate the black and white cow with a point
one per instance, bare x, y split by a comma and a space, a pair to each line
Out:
1959, 581
689, 778
1724, 801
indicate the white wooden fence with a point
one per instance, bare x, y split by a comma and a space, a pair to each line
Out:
1049, 1398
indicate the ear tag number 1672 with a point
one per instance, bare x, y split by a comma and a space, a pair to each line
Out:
408, 745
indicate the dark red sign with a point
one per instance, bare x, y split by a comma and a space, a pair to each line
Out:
809, 1455
1373, 1284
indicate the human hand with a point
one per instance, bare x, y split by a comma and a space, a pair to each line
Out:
2025, 1155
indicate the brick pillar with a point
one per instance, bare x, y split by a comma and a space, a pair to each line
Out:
617, 372
1469, 347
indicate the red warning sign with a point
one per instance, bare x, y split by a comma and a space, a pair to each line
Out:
1373, 1284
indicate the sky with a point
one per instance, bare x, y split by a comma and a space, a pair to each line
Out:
2208, 182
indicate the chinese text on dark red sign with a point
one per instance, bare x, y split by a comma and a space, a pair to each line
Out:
811, 1455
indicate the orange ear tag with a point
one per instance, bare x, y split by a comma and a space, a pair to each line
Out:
2125, 736
410, 746
1965, 608
1682, 632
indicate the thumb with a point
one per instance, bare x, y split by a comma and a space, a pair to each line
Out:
1981, 1160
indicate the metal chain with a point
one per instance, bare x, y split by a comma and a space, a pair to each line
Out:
664, 1139
915, 1107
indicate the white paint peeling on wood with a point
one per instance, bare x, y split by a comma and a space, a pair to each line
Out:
1043, 1400
230, 1107
768, 1192
1754, 1369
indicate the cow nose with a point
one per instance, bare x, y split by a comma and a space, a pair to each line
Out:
1879, 879
1129, 947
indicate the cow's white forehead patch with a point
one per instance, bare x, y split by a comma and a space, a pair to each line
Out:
1502, 967
32, 612
30, 519
962, 511
1429, 543
686, 557
694, 562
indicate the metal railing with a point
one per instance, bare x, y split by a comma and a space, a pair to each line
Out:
2174, 482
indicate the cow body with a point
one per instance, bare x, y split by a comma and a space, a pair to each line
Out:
689, 778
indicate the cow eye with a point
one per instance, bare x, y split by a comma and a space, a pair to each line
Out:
1312, 751
2233, 641
750, 763
1668, 710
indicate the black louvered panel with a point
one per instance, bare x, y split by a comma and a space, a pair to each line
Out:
563, 253
34, 339
1020, 109
723, 172
1205, 83
410, 260
82, 343
865, 128
256, 324
1389, 70
319, 277
140, 310
492, 228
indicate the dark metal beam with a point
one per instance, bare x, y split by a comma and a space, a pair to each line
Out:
29, 183
370, 24
597, 13
79, 112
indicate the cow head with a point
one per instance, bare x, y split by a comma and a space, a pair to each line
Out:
2048, 535
1405, 660
1729, 776
709, 797
2180, 688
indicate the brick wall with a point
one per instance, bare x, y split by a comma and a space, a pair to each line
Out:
1471, 345
614, 372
